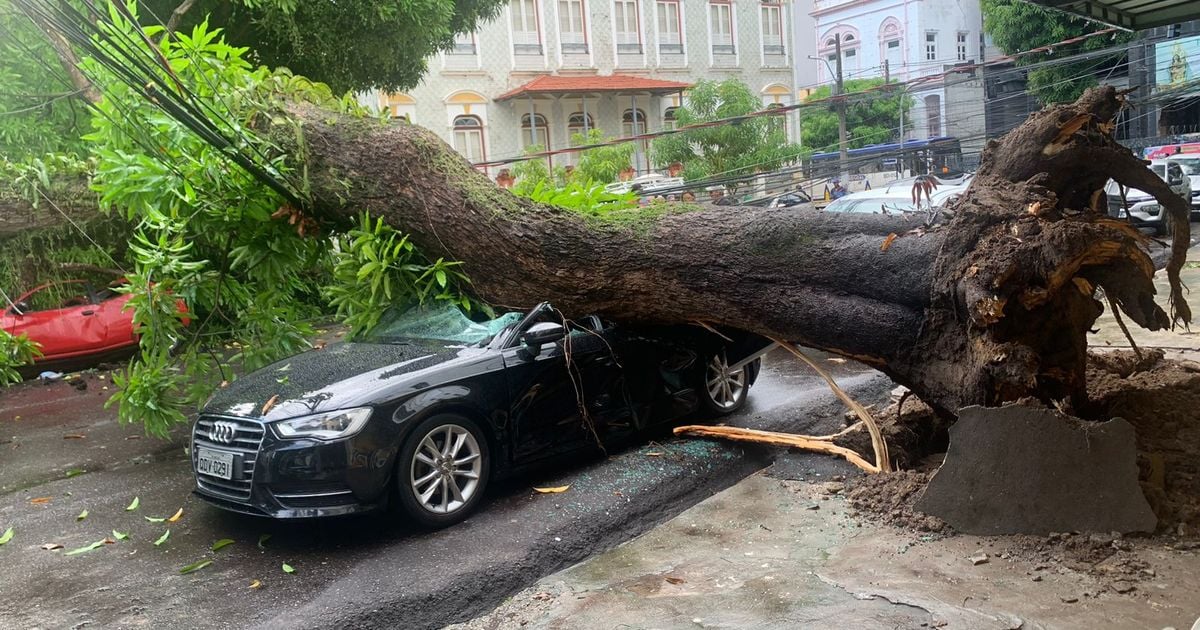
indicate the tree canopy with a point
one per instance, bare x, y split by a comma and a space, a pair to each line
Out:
354, 45
752, 145
869, 120
1017, 26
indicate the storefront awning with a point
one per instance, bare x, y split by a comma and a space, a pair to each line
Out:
553, 85
1134, 15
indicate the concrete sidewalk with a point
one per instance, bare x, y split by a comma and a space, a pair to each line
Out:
778, 553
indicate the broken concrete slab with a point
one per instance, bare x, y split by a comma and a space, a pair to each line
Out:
1023, 470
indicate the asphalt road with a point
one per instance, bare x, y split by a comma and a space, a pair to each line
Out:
349, 573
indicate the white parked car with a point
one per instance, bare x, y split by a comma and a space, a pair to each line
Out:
1139, 206
894, 200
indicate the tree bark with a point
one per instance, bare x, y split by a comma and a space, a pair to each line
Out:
992, 306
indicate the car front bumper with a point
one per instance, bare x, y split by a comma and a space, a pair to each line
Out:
294, 478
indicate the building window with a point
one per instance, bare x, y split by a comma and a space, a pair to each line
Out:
931, 53
720, 18
670, 28
572, 26
627, 25
893, 50
772, 28
579, 124
669, 118
962, 46
464, 44
468, 137
526, 28
534, 131
933, 115
633, 122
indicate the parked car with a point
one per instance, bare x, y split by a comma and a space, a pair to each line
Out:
1191, 169
74, 323
1139, 206
788, 199
894, 200
427, 409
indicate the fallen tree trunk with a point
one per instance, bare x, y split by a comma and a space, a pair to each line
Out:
991, 307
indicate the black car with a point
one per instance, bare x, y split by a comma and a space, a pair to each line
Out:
426, 409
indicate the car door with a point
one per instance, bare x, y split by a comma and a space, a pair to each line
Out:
66, 331
566, 396
118, 322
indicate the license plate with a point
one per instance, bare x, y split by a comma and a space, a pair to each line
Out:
214, 463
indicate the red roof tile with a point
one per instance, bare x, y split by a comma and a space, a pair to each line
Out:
552, 84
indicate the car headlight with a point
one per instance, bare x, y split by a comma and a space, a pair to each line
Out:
325, 426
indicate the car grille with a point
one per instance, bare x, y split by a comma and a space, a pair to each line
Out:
247, 439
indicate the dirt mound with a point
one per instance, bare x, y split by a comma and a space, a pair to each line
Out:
1161, 399
891, 497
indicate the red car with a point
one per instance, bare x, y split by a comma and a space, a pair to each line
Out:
86, 327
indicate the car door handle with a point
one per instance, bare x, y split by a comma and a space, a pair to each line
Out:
88, 313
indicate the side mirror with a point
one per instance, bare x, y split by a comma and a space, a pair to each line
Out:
541, 334
20, 308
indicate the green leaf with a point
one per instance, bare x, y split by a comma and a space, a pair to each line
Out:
96, 545
119, 535
154, 519
133, 505
162, 539
262, 541
441, 278
221, 544
8, 534
75, 472
196, 566
287, 568
82, 515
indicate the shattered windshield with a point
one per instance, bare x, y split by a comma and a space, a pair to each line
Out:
441, 321
1190, 166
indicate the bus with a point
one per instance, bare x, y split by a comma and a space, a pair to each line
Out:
936, 156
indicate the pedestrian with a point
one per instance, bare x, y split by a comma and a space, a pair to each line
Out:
838, 191
688, 195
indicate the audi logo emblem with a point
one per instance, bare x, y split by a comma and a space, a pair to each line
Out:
222, 432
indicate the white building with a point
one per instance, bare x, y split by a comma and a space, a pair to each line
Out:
547, 69
911, 39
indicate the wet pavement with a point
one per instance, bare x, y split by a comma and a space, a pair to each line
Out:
61, 453
783, 553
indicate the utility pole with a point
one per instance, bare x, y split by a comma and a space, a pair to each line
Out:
841, 108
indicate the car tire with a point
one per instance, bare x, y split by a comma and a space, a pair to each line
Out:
442, 471
722, 392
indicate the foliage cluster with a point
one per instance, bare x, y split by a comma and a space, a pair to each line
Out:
872, 119
1018, 26
354, 45
746, 147
15, 351
39, 110
221, 241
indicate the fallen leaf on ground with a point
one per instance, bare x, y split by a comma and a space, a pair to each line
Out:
154, 519
96, 545
887, 242
162, 539
270, 403
75, 472
82, 515
133, 505
176, 516
7, 536
221, 544
256, 584
51, 546
836, 360
675, 580
553, 490
262, 541
196, 566
654, 454
74, 436
287, 568
40, 501
133, 437
120, 535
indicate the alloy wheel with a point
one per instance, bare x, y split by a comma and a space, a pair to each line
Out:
445, 469
724, 385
